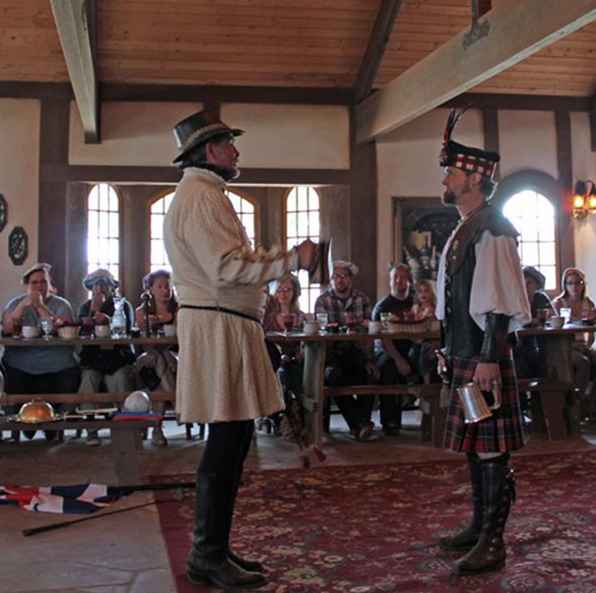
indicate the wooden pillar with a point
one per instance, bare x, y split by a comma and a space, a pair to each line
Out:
53, 154
363, 211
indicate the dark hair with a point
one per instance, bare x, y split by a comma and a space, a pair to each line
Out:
148, 282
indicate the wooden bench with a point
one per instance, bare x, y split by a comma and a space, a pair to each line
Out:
126, 440
94, 398
433, 417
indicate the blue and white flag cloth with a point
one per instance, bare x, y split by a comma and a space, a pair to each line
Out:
80, 498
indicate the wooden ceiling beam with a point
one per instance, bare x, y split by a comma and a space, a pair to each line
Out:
516, 30
379, 37
76, 25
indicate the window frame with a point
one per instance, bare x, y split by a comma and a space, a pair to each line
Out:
551, 189
162, 193
121, 226
284, 225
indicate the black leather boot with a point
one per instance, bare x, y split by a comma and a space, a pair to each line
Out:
208, 560
498, 493
468, 537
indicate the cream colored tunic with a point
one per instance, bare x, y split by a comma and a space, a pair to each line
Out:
224, 372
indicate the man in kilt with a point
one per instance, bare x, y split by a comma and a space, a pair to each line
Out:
481, 300
224, 375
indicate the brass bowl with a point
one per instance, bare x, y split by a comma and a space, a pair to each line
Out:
36, 411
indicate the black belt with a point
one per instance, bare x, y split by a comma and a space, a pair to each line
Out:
222, 310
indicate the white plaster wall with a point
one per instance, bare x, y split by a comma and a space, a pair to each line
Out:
528, 140
408, 166
19, 183
132, 133
584, 167
291, 136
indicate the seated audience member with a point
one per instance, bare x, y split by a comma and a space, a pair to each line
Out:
104, 369
425, 301
422, 354
580, 306
348, 363
35, 369
392, 355
157, 366
283, 314
529, 352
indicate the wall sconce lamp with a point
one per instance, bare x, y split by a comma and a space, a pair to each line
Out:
584, 199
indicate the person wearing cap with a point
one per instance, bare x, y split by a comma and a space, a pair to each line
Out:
348, 363
481, 300
392, 356
224, 375
529, 351
104, 369
35, 369
157, 366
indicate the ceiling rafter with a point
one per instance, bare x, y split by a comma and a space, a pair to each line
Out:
76, 25
516, 31
379, 37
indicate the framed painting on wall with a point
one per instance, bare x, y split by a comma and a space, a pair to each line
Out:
421, 227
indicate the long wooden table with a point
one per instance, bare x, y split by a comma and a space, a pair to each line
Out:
558, 346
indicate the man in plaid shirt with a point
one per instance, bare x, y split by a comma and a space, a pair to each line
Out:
347, 362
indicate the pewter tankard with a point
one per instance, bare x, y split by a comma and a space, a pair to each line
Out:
474, 402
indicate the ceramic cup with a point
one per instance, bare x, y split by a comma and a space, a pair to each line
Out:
311, 328
374, 327
556, 322
102, 331
30, 331
169, 329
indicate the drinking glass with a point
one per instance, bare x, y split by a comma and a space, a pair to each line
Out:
323, 319
47, 327
565, 312
385, 320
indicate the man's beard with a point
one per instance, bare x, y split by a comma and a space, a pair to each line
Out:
448, 198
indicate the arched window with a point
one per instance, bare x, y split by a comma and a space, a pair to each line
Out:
246, 213
159, 259
103, 229
533, 216
303, 221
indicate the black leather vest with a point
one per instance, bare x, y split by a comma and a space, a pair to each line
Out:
461, 336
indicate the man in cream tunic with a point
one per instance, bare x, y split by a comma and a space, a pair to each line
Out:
225, 377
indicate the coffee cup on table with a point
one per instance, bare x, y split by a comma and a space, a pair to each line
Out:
169, 329
311, 328
374, 327
556, 322
30, 331
102, 331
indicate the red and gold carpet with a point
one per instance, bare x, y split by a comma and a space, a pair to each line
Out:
374, 528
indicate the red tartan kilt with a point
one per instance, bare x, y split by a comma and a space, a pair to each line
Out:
504, 431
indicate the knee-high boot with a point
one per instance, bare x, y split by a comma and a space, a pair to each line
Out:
468, 537
245, 563
208, 559
498, 493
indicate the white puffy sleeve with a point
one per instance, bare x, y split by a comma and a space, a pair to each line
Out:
498, 284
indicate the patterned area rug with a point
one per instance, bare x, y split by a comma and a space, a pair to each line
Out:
374, 529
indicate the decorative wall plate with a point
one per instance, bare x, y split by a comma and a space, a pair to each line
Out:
18, 245
3, 212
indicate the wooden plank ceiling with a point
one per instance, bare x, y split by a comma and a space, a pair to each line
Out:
310, 43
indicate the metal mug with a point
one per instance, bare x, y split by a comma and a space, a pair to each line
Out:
474, 402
